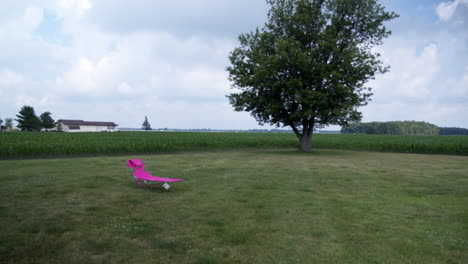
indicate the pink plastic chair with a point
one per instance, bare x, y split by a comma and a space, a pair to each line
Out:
144, 178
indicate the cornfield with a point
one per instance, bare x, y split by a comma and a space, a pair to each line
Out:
43, 145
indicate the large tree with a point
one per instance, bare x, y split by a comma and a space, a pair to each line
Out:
46, 120
27, 119
309, 65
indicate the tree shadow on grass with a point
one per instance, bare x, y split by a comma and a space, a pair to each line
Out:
313, 152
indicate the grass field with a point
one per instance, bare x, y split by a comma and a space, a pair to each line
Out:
256, 206
36, 145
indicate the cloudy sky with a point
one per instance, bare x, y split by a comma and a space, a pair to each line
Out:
120, 60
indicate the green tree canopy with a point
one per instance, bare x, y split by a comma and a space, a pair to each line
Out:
146, 124
27, 119
46, 120
9, 123
453, 131
392, 127
308, 66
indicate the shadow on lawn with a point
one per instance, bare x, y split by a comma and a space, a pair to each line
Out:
157, 188
313, 152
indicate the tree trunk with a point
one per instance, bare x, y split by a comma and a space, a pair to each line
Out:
306, 142
305, 138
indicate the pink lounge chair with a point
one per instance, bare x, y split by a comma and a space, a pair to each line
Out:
144, 178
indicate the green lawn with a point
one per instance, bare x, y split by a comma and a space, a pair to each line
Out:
257, 206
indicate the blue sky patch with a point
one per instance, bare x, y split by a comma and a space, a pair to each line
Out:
50, 29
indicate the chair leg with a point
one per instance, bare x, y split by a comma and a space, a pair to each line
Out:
142, 184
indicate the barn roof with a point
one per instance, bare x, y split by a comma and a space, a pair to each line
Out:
86, 123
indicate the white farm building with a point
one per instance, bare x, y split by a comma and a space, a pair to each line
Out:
86, 126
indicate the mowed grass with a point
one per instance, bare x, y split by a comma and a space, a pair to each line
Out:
41, 144
258, 206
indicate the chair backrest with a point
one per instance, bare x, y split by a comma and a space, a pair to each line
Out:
136, 164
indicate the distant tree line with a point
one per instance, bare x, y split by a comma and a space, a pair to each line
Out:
450, 131
29, 121
392, 128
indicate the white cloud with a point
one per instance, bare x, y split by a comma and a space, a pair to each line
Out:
125, 89
424, 83
410, 74
463, 91
151, 64
459, 88
10, 78
80, 79
23, 25
205, 82
181, 18
78, 6
183, 114
41, 102
31, 19
446, 10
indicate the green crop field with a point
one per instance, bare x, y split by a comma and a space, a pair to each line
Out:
42, 145
249, 206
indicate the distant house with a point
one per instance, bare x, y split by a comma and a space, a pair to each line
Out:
86, 126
